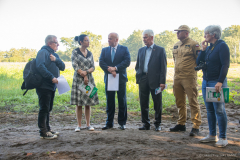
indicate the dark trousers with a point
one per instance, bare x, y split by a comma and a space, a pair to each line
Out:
45, 98
144, 91
122, 105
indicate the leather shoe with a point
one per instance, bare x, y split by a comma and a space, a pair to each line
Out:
144, 128
122, 127
158, 128
106, 127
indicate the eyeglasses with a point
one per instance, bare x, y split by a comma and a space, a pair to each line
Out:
55, 42
205, 34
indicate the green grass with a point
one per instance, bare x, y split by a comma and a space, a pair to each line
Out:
12, 99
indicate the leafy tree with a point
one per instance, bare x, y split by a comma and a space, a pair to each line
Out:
134, 42
166, 39
197, 35
231, 36
17, 55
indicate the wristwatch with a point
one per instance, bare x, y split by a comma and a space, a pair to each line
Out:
87, 72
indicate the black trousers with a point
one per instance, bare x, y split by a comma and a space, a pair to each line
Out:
45, 97
144, 92
122, 105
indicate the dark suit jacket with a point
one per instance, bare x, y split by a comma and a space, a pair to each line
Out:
121, 61
157, 66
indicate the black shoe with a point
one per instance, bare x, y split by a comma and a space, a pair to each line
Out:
144, 128
122, 127
194, 132
178, 128
158, 128
48, 135
106, 127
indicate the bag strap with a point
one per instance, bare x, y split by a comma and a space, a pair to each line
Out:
25, 92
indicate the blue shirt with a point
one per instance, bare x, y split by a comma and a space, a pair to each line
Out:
147, 57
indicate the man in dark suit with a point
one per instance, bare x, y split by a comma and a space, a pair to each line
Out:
114, 60
151, 69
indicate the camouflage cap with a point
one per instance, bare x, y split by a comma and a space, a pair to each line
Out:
183, 28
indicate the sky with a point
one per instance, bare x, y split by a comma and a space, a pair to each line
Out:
26, 23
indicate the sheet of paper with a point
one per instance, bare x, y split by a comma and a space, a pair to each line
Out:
113, 83
158, 90
62, 85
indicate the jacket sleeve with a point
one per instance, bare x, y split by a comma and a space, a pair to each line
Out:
225, 60
163, 62
126, 62
102, 63
137, 63
59, 63
75, 61
40, 65
201, 57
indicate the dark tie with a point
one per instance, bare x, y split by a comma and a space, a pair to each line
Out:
113, 54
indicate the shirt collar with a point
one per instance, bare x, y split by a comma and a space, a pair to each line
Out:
115, 47
151, 46
185, 40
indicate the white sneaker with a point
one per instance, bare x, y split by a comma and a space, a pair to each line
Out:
77, 129
209, 139
221, 143
90, 128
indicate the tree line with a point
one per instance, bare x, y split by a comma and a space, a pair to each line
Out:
166, 39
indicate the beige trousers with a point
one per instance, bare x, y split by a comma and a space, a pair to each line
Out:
181, 88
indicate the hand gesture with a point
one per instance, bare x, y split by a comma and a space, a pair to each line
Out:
86, 80
54, 80
162, 86
204, 45
52, 57
218, 87
111, 69
114, 74
83, 73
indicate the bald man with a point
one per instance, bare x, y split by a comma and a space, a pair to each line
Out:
114, 60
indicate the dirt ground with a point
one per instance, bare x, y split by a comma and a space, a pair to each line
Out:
19, 139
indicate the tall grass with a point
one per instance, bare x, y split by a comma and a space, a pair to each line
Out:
12, 99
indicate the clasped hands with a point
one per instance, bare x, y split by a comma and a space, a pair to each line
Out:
83, 74
112, 70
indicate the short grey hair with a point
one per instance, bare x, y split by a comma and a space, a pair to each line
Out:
148, 32
49, 38
214, 29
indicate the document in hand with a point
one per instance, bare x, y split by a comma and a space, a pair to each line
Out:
213, 96
62, 85
158, 90
113, 83
89, 89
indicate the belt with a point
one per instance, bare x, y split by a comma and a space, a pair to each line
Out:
144, 73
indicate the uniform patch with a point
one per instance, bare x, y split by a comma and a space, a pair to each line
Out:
187, 46
197, 45
175, 47
198, 52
